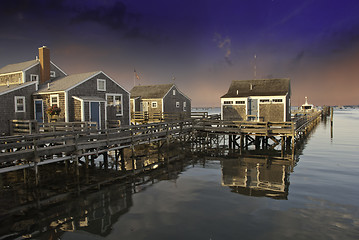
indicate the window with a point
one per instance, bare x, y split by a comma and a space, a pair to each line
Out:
19, 104
115, 100
264, 100
228, 102
101, 85
277, 100
177, 104
174, 92
184, 106
54, 100
52, 74
240, 102
154, 104
34, 77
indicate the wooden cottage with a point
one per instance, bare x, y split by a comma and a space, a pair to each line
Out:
28, 89
257, 100
17, 84
159, 102
92, 96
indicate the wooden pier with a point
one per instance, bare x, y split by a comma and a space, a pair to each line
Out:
201, 134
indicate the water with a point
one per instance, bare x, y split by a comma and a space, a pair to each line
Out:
214, 198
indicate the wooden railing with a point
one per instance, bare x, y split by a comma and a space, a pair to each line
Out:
153, 117
67, 126
20, 127
36, 147
113, 123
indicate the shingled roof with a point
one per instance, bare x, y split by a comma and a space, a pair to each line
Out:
12, 87
151, 91
260, 87
64, 83
18, 66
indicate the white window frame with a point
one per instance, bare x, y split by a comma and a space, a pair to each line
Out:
113, 95
184, 106
23, 104
36, 77
52, 74
98, 84
58, 100
177, 104
174, 92
154, 105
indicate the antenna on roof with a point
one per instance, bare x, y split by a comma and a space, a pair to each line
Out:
173, 78
255, 66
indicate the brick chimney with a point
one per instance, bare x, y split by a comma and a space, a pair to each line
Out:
44, 55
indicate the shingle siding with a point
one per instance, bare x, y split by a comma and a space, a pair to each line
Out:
46, 105
169, 102
272, 112
34, 70
11, 78
234, 112
77, 110
7, 107
89, 88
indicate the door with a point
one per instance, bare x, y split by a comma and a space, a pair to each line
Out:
95, 113
144, 106
252, 109
39, 111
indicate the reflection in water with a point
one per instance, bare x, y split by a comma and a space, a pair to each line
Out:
48, 214
256, 177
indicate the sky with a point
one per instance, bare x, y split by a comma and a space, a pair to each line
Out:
200, 45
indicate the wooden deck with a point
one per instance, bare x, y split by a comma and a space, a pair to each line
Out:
19, 152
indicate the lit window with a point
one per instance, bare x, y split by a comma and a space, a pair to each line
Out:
174, 92
115, 100
184, 106
154, 104
19, 104
177, 104
52, 74
34, 77
54, 100
101, 85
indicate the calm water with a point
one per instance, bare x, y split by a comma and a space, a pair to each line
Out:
238, 198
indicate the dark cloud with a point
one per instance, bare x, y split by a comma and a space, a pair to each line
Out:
63, 14
111, 16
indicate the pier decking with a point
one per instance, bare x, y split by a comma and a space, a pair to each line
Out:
31, 151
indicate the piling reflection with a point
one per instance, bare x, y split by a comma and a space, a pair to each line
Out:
254, 176
48, 214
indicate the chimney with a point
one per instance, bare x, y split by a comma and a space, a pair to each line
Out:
44, 55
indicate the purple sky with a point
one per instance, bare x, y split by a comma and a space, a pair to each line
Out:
204, 44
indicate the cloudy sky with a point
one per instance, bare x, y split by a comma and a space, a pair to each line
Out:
201, 45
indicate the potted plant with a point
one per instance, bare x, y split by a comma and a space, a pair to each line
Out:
53, 112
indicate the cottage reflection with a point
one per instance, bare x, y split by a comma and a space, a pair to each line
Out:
256, 177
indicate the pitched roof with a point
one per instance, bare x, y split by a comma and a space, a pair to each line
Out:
64, 83
18, 66
260, 87
151, 91
12, 87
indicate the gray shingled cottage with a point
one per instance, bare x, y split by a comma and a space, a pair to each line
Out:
162, 99
257, 100
29, 88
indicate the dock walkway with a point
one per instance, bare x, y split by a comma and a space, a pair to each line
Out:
19, 152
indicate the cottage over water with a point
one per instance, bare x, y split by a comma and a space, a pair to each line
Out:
257, 100
156, 100
28, 89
